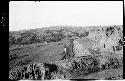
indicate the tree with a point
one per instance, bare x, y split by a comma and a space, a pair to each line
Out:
12, 41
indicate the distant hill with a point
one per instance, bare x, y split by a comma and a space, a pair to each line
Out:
49, 34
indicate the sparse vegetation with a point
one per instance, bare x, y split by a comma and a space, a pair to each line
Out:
26, 62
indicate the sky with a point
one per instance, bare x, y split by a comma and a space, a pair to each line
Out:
30, 14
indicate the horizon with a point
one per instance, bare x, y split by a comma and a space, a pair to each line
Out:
63, 26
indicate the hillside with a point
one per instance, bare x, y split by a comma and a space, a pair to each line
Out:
76, 52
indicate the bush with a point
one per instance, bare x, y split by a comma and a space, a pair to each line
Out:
32, 71
36, 71
109, 31
84, 66
112, 63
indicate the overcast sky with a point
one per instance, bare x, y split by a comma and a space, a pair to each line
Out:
30, 14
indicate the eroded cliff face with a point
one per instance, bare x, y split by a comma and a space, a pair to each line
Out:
81, 46
103, 41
